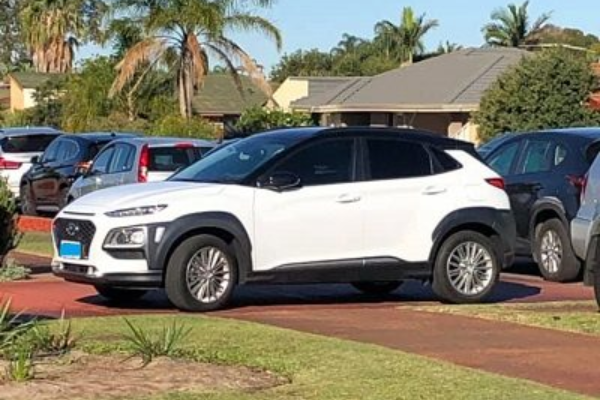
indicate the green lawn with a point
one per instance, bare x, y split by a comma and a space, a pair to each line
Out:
579, 317
36, 243
318, 367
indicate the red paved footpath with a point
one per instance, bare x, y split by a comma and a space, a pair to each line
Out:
558, 359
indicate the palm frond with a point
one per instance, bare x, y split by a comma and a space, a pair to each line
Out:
254, 23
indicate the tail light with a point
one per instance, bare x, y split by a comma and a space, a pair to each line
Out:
6, 164
143, 164
496, 182
579, 182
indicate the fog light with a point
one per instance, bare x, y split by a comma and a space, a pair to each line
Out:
126, 238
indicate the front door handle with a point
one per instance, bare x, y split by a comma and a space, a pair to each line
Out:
348, 198
433, 190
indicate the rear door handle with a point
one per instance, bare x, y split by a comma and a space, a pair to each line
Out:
348, 198
433, 190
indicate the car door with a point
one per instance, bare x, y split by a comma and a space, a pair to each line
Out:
40, 170
52, 177
120, 169
403, 200
319, 222
93, 180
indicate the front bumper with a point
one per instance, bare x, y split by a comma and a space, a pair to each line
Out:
80, 274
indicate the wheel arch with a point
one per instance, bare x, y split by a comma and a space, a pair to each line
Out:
482, 220
544, 210
222, 225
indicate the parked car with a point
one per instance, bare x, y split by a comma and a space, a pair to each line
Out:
544, 173
17, 147
137, 160
585, 228
46, 185
485, 149
366, 206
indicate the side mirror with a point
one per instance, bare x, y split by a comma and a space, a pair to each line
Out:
83, 169
280, 182
35, 159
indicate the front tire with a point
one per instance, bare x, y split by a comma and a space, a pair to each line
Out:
201, 274
119, 295
555, 257
466, 268
376, 288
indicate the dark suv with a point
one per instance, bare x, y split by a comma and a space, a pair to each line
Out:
544, 174
46, 185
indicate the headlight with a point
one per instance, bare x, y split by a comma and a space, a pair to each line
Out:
126, 238
135, 211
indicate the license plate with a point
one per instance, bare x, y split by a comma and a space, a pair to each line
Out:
70, 250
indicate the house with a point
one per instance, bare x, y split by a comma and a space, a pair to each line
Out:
310, 88
438, 94
220, 101
23, 86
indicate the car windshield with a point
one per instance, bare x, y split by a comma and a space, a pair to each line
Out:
235, 162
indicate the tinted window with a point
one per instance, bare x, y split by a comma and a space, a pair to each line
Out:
394, 159
68, 151
101, 163
122, 160
322, 163
538, 157
503, 159
169, 159
95, 148
51, 151
560, 154
443, 162
26, 144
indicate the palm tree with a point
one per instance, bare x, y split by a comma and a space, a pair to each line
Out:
448, 47
348, 45
511, 27
405, 40
53, 30
180, 35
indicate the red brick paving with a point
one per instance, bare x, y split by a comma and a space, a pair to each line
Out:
34, 224
563, 360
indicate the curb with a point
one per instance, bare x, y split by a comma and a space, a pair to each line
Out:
34, 224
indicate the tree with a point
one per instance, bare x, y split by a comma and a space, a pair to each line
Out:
547, 90
303, 63
552, 34
405, 40
13, 54
181, 34
511, 26
53, 29
259, 119
348, 44
9, 231
448, 47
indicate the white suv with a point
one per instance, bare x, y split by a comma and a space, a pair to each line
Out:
366, 206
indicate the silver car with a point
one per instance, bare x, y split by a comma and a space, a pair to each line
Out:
138, 160
18, 146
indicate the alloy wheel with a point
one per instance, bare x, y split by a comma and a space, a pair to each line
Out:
551, 251
470, 268
208, 274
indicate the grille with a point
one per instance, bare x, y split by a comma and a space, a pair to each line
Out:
77, 231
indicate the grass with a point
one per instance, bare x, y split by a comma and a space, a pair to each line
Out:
578, 317
318, 367
36, 243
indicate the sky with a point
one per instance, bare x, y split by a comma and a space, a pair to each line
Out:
307, 24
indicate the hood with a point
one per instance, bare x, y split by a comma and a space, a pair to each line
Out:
144, 194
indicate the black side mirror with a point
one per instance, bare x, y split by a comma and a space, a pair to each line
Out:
35, 160
280, 182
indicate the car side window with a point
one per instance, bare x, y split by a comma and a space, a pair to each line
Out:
397, 159
68, 151
503, 159
51, 151
539, 156
560, 154
101, 163
122, 160
322, 163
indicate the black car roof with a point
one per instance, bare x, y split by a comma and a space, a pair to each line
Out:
416, 135
101, 136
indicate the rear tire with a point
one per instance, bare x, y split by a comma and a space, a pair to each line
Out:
28, 205
555, 257
201, 274
466, 268
376, 288
119, 295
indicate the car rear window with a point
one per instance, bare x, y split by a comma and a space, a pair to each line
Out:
26, 143
169, 159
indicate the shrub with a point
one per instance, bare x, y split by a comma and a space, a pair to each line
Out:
258, 119
11, 271
175, 125
20, 363
9, 233
56, 341
166, 344
11, 328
